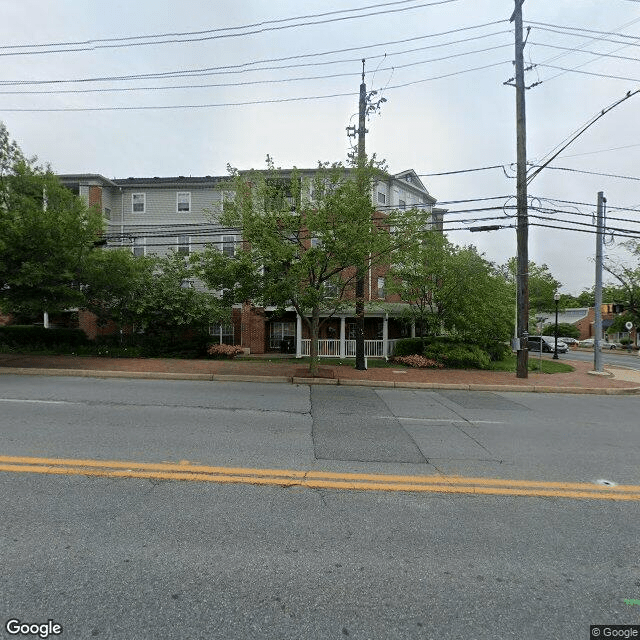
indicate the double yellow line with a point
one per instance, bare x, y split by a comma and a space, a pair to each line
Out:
318, 479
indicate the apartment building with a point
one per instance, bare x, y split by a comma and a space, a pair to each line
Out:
162, 214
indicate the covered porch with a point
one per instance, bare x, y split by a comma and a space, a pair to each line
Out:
338, 340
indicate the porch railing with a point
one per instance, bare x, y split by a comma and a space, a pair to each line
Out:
331, 348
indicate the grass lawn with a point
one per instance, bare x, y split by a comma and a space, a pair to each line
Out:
535, 364
509, 364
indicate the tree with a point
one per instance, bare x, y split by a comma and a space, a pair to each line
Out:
155, 295
453, 289
542, 285
46, 234
564, 329
628, 278
307, 236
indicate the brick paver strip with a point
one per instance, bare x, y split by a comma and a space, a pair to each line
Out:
576, 381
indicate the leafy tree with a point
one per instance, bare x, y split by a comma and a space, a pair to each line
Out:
46, 233
542, 285
453, 289
234, 279
564, 329
628, 278
307, 236
157, 296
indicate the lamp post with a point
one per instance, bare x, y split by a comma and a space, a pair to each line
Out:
556, 298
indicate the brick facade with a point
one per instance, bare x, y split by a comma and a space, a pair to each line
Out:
253, 328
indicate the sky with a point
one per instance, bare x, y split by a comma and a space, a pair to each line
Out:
441, 66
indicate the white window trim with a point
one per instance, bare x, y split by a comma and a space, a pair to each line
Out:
182, 244
139, 243
226, 240
183, 193
144, 202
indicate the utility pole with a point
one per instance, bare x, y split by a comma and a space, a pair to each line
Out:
522, 232
362, 158
597, 354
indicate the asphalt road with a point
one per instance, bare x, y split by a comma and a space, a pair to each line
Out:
613, 358
150, 558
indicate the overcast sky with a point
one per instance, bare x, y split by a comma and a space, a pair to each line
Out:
454, 112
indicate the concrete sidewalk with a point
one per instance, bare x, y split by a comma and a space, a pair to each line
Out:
616, 380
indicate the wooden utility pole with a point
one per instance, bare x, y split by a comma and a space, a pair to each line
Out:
522, 231
362, 159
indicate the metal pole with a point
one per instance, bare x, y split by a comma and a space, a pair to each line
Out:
522, 231
597, 354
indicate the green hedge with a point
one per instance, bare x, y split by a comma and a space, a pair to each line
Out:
451, 352
34, 338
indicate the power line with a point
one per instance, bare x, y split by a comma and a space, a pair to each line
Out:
240, 103
242, 67
568, 30
240, 84
119, 43
588, 73
593, 173
599, 54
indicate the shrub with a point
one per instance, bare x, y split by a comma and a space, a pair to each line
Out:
409, 347
173, 346
224, 351
459, 356
33, 338
498, 351
419, 362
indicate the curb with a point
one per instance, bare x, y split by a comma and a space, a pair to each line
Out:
219, 377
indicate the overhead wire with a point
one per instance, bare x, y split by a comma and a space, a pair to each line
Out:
241, 103
113, 44
239, 84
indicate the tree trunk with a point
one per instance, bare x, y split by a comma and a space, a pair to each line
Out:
313, 350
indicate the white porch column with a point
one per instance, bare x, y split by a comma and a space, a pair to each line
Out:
385, 336
413, 329
45, 320
342, 337
298, 336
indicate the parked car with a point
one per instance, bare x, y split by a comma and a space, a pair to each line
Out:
589, 342
568, 341
546, 344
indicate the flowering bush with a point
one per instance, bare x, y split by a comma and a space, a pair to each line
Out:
419, 362
224, 351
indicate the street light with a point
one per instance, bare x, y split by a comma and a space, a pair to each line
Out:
556, 298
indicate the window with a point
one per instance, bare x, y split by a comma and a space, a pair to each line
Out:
107, 213
223, 333
138, 202
382, 198
381, 290
139, 248
402, 204
281, 331
229, 246
330, 290
183, 245
183, 201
